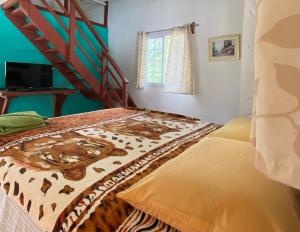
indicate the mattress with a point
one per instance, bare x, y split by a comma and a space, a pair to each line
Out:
65, 177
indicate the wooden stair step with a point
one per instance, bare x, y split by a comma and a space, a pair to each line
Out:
51, 51
75, 82
70, 71
29, 26
81, 78
60, 61
66, 69
17, 13
131, 103
41, 39
92, 95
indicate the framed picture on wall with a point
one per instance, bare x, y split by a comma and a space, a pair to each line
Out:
224, 48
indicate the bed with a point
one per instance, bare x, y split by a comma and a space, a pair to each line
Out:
65, 177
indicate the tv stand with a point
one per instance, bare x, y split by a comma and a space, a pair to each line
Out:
59, 97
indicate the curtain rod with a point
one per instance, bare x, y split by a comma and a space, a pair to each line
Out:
193, 25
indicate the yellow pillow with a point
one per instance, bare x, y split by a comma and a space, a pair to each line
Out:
238, 128
214, 187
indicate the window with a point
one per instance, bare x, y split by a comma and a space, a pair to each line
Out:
158, 50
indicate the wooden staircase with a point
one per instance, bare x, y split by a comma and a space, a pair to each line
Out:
107, 84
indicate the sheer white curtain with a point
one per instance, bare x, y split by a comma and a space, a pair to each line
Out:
142, 51
276, 122
179, 73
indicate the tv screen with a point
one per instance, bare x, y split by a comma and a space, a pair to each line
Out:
28, 76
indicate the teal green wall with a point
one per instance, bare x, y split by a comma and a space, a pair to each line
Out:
15, 47
103, 32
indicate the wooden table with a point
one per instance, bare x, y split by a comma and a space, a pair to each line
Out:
59, 97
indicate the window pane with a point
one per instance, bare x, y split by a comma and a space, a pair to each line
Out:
158, 66
151, 77
158, 55
157, 52
158, 43
158, 78
151, 43
150, 67
151, 55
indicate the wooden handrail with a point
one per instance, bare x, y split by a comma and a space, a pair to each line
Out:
116, 95
72, 28
109, 66
123, 88
49, 8
115, 66
67, 15
114, 77
88, 57
62, 7
9, 3
106, 14
88, 23
125, 95
88, 41
106, 57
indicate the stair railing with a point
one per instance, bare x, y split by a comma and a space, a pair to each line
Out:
114, 82
109, 66
9, 3
110, 74
71, 32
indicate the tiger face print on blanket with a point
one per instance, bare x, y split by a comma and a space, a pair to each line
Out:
66, 176
70, 153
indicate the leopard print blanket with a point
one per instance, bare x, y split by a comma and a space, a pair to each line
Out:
66, 176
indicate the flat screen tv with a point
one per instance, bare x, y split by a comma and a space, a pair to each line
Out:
28, 76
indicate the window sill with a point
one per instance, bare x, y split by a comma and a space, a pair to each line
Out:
154, 85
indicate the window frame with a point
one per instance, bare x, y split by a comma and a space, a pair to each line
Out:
156, 35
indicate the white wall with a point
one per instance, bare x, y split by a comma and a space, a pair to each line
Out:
217, 83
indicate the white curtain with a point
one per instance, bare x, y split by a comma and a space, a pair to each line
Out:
142, 59
179, 72
247, 62
276, 122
